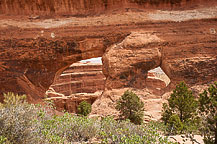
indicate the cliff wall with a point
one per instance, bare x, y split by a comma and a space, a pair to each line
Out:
89, 7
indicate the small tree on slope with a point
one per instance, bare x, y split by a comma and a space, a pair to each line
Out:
181, 111
131, 107
208, 112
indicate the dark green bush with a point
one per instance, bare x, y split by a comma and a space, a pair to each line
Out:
208, 113
175, 123
131, 107
84, 108
181, 110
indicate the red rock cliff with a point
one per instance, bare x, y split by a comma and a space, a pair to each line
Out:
87, 7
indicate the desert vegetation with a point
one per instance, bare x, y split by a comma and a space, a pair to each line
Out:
84, 108
180, 114
27, 123
208, 114
184, 114
131, 107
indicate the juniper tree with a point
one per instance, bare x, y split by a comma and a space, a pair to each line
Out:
183, 106
131, 107
208, 113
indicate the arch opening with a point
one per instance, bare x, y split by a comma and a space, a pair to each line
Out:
157, 80
81, 81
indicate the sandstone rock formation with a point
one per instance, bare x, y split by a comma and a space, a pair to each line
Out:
80, 78
70, 103
85, 81
30, 65
81, 81
35, 51
87, 7
151, 96
127, 64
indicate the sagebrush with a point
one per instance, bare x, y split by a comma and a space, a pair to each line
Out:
23, 123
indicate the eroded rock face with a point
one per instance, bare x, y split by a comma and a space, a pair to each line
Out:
70, 103
85, 81
127, 64
86, 7
193, 70
80, 78
80, 82
30, 65
151, 95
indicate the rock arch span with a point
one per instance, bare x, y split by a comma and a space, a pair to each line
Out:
30, 65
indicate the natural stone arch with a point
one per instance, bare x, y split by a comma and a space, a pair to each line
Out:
82, 81
126, 67
157, 81
29, 66
127, 64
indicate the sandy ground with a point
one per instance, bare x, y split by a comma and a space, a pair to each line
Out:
183, 140
177, 16
109, 19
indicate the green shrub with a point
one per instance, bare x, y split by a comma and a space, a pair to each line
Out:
131, 107
23, 123
11, 99
181, 110
208, 112
16, 123
175, 123
125, 132
3, 140
84, 108
15, 119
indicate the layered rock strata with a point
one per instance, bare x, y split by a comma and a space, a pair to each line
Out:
80, 82
85, 82
70, 103
80, 78
88, 7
